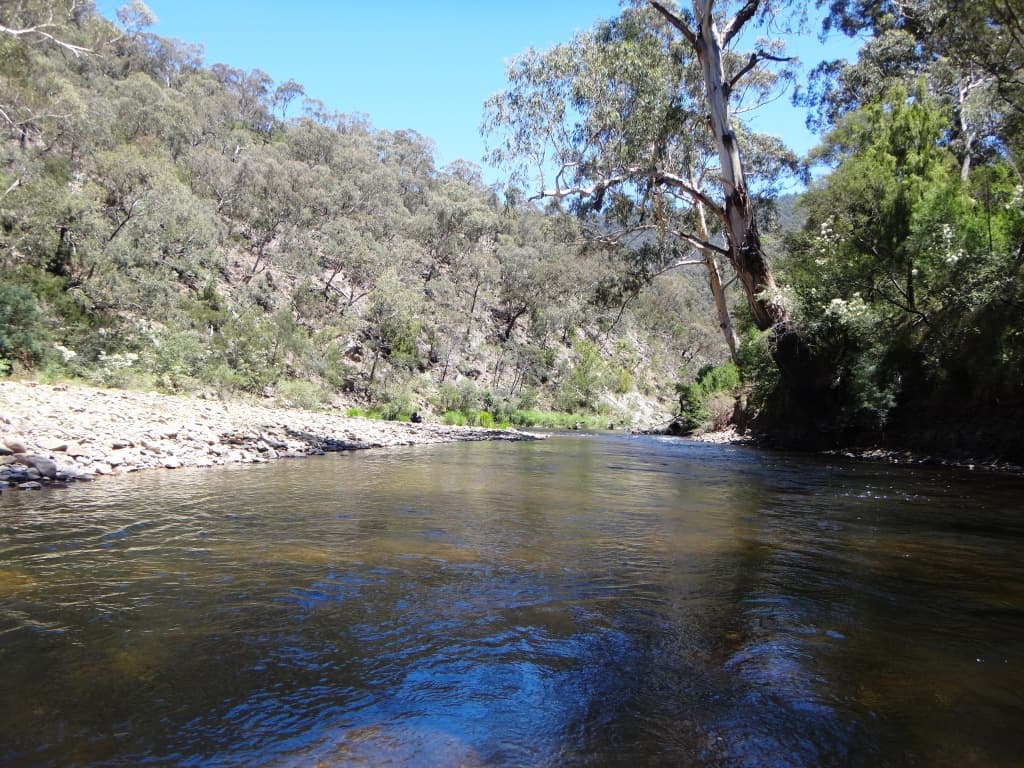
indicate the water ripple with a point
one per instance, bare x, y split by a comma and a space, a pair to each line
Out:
588, 601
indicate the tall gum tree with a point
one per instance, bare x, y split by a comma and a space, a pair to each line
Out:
635, 121
709, 36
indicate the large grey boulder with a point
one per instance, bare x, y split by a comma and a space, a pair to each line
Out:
41, 464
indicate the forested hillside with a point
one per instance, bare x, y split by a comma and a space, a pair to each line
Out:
199, 228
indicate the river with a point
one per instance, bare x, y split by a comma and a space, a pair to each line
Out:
582, 600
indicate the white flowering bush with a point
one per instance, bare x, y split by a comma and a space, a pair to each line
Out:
116, 369
852, 332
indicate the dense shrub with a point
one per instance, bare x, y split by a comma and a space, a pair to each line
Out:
707, 402
23, 334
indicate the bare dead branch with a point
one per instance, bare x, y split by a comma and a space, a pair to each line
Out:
655, 175
560, 193
678, 265
38, 30
735, 24
699, 243
14, 185
690, 190
755, 58
676, 22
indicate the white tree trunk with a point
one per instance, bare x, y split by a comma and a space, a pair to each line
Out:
745, 248
732, 339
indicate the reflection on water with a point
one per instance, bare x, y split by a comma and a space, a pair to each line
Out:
598, 601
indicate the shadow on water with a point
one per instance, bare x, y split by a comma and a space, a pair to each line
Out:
598, 601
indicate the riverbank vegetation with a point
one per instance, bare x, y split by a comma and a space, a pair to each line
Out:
170, 224
891, 314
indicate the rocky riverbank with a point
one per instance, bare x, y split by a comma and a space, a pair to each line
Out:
63, 433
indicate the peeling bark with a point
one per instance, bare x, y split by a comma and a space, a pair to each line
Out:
732, 339
745, 251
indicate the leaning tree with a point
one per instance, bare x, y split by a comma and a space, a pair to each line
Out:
634, 123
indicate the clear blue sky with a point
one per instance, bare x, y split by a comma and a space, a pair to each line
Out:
428, 66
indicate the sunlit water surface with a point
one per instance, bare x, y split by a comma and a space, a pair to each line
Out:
578, 601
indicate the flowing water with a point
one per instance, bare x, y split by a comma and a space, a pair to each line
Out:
577, 601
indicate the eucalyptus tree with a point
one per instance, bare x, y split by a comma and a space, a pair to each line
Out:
969, 54
285, 94
31, 30
166, 60
634, 123
45, 23
253, 95
269, 189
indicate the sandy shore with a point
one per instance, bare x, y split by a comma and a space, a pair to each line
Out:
62, 433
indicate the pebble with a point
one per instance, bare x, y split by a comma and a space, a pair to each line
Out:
67, 432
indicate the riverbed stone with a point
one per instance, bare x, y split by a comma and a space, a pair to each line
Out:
44, 466
84, 432
15, 444
121, 457
75, 450
31, 485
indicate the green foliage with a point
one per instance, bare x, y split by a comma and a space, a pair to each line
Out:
363, 413
757, 369
620, 373
455, 418
469, 418
463, 397
556, 420
904, 276
703, 402
300, 394
23, 332
392, 325
583, 381
176, 359
398, 408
